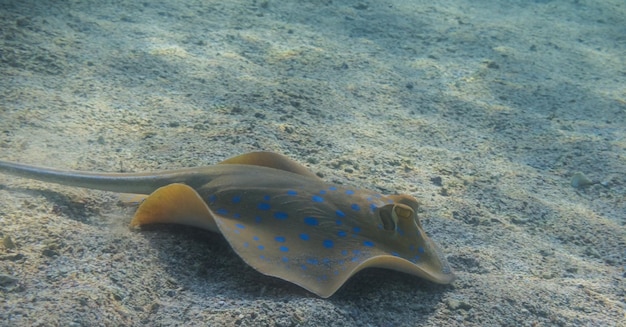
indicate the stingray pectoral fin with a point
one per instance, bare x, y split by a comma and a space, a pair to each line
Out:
175, 204
315, 264
270, 160
431, 272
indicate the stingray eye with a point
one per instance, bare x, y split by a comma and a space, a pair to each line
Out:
403, 211
406, 207
387, 218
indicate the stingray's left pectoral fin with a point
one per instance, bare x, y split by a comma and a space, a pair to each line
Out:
175, 204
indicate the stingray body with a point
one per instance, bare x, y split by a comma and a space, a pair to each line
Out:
278, 217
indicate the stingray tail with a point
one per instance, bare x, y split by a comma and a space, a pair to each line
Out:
139, 183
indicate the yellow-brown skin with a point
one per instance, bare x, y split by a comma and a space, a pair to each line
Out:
278, 217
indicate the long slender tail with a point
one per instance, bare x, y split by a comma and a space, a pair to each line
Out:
140, 183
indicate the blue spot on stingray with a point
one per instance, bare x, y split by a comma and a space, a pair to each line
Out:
266, 198
257, 219
415, 259
311, 221
280, 215
400, 231
412, 247
317, 198
212, 198
292, 192
264, 206
373, 207
236, 231
221, 211
395, 254
378, 196
338, 222
355, 207
256, 238
325, 261
303, 267
340, 213
354, 259
344, 252
285, 259
262, 257
335, 272
312, 261
368, 243
342, 233
236, 215
421, 250
280, 239
341, 262
356, 252
246, 244
236, 199
349, 192
261, 247
240, 226
332, 188
304, 237
323, 192
284, 249
356, 229
329, 244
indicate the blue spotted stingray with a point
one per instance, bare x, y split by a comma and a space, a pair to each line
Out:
280, 218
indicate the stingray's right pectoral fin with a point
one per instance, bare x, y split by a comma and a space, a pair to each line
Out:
175, 204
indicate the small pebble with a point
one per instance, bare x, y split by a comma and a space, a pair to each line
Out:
8, 282
8, 243
579, 180
12, 257
437, 181
456, 305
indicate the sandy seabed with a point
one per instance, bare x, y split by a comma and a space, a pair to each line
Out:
484, 110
